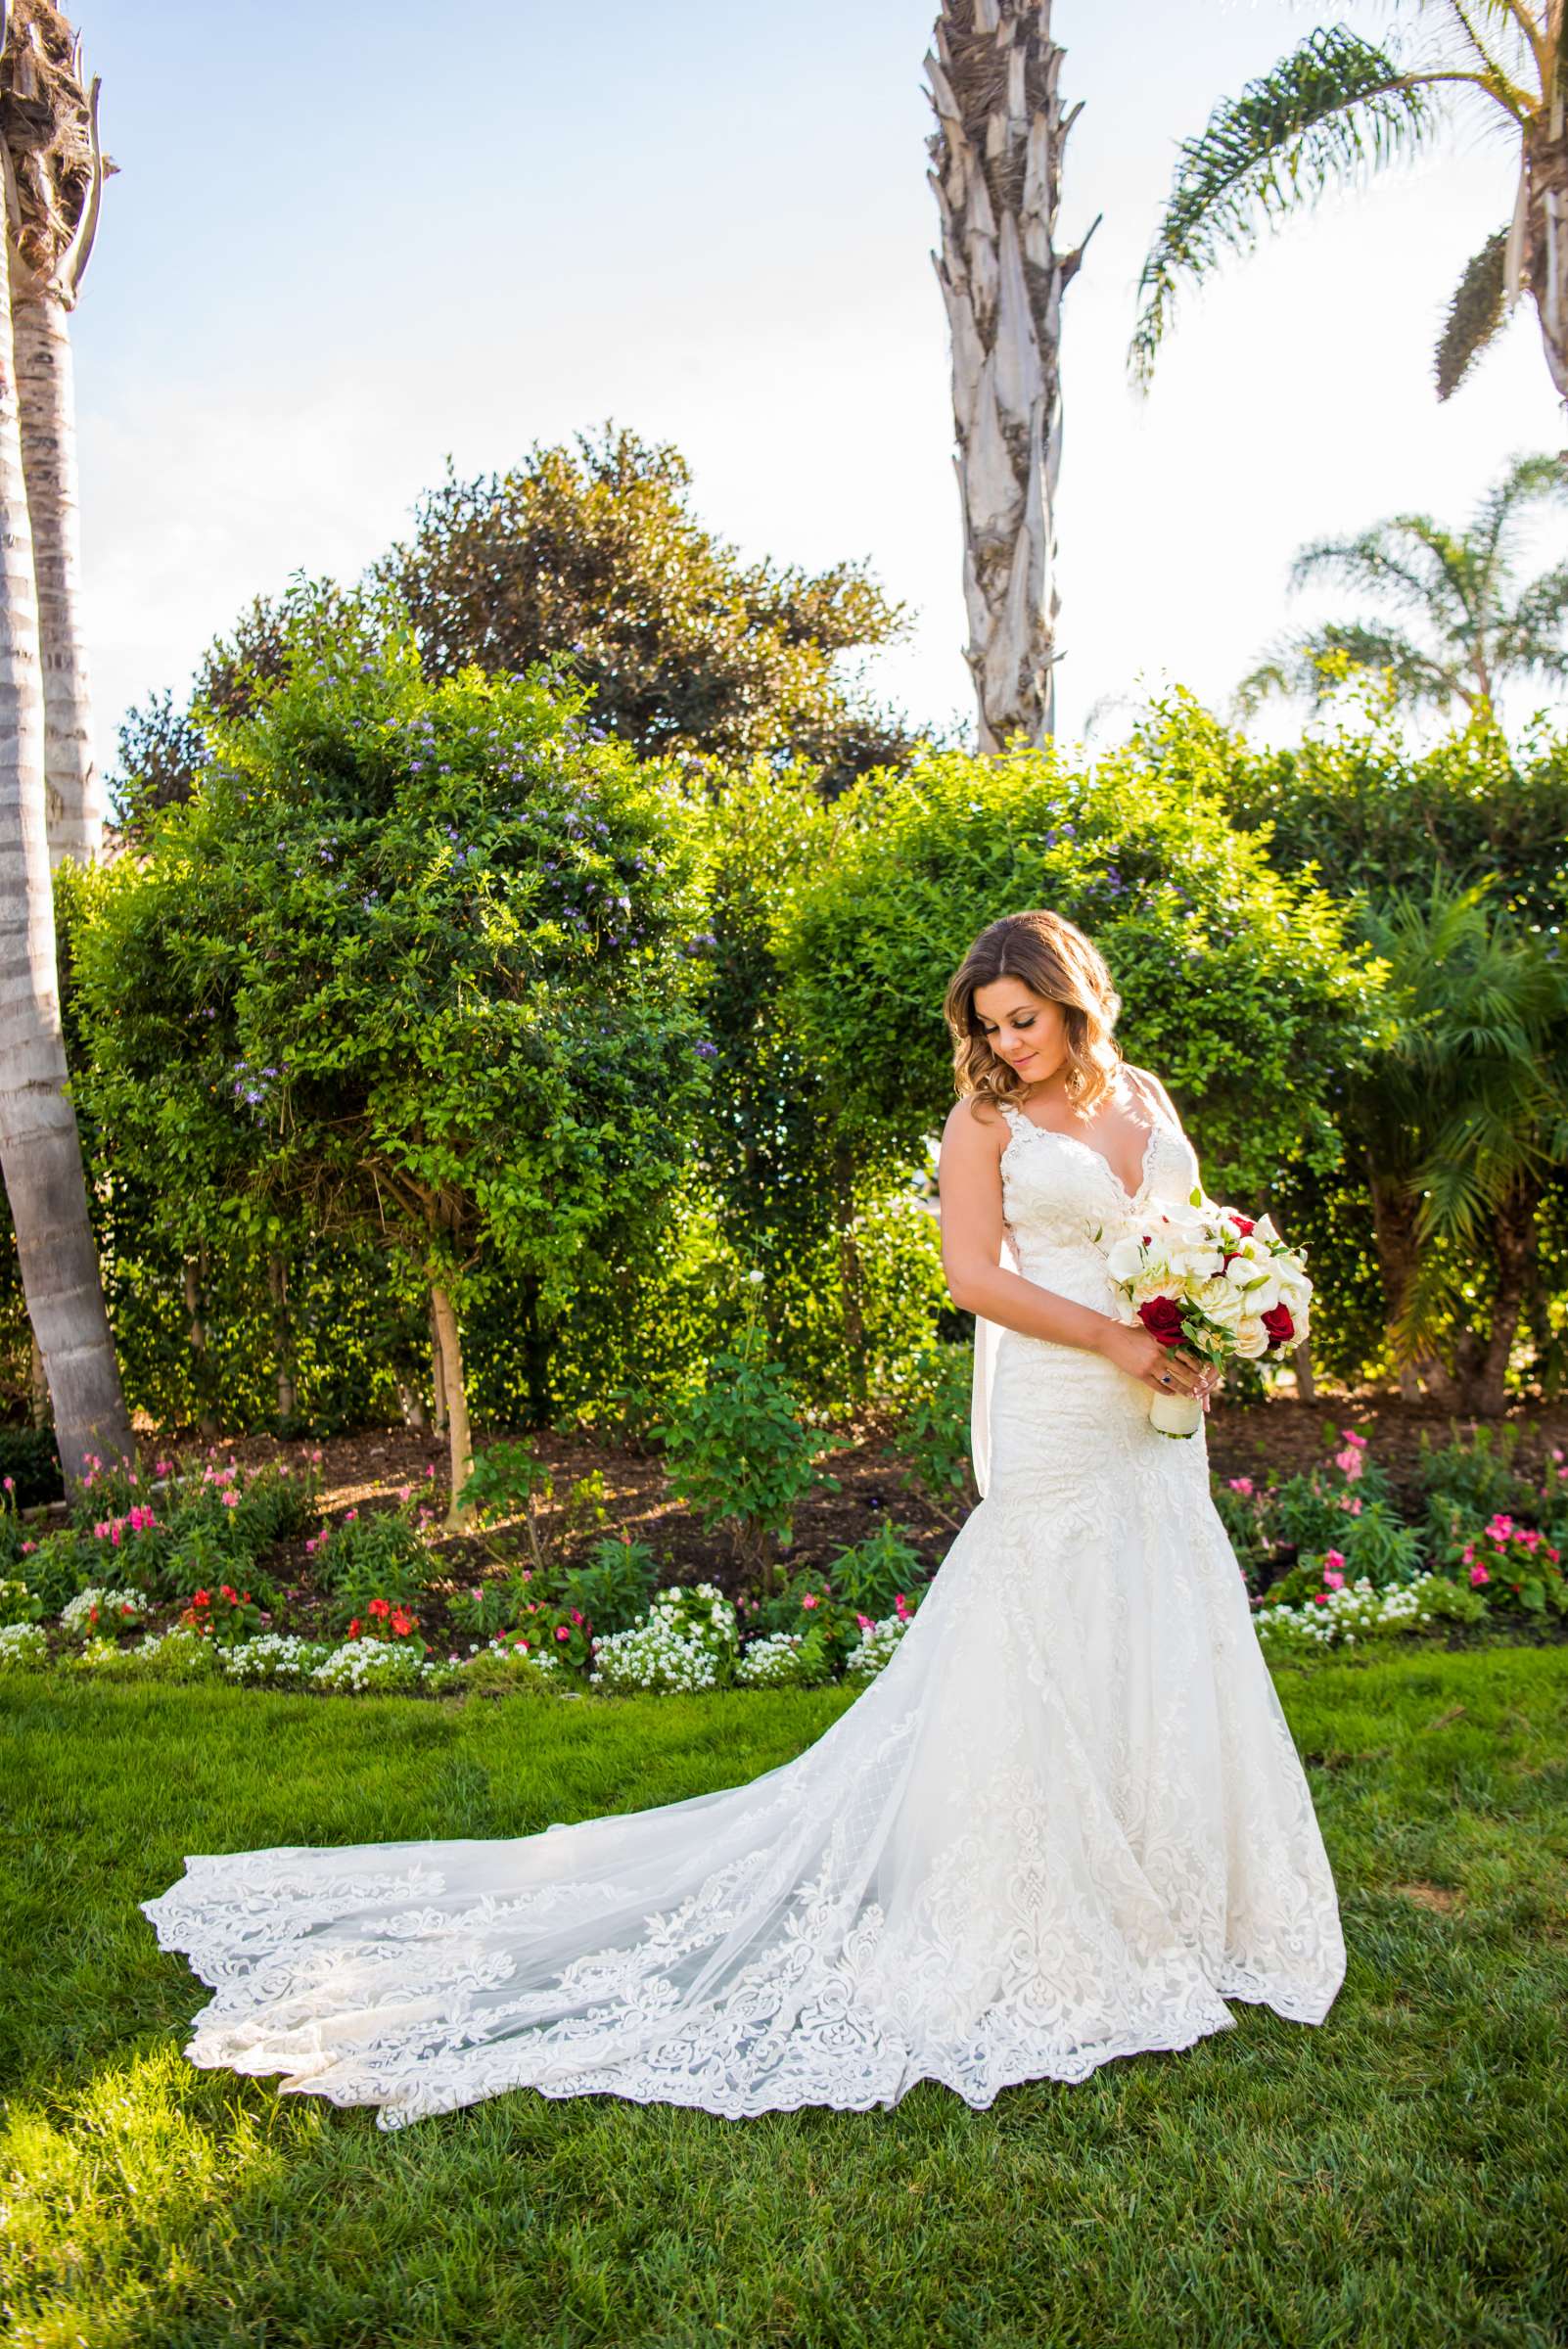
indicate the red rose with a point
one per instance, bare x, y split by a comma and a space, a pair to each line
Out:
1279, 1325
1243, 1223
1161, 1318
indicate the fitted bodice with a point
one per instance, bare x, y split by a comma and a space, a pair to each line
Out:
1063, 1202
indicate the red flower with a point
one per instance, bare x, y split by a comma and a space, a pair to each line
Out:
1243, 1223
1279, 1325
202, 1599
1161, 1318
227, 1589
354, 1628
380, 1607
402, 1622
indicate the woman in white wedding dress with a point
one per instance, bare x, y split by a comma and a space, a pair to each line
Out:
1065, 1823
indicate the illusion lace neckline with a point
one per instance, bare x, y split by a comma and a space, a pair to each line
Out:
1018, 1117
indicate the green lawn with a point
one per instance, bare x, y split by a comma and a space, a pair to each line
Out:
1397, 2176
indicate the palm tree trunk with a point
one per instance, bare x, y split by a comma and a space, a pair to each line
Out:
1546, 199
41, 1149
997, 157
1515, 1238
73, 788
1394, 1232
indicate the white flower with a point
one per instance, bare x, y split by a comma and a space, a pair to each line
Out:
22, 1647
1252, 1339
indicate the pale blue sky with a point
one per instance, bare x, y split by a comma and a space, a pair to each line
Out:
347, 239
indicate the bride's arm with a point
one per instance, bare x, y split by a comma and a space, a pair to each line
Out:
969, 1174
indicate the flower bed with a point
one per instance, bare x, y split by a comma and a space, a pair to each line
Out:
231, 1572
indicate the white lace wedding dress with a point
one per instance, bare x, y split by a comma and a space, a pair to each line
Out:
1065, 1823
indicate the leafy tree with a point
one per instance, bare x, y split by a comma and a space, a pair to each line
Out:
1375, 819
593, 551
1338, 107
409, 964
1476, 627
1238, 986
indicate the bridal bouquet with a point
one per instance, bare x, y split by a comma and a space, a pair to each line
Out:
1219, 1283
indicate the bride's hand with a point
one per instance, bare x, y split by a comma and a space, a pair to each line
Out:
1166, 1372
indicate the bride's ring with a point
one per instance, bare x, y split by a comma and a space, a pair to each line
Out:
1165, 1378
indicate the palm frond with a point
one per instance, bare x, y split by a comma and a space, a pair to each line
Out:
1476, 315
1336, 106
1377, 562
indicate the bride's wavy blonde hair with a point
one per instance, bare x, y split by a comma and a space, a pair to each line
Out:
1058, 963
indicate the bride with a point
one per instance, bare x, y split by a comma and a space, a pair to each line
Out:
1065, 1823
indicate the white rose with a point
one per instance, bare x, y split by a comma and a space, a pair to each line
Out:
1218, 1299
1252, 1339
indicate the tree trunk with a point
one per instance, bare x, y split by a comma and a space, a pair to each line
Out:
459, 1446
438, 1376
1306, 1384
1545, 199
1515, 1242
41, 1149
1393, 1218
851, 1274
197, 1334
282, 1340
37, 1383
997, 157
72, 785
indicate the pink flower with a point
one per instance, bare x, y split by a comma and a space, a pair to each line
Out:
1531, 1539
1243, 1485
403, 1491
1470, 1553
1352, 1509
1335, 1581
865, 1623
1334, 1557
10, 1484
349, 1515
1350, 1437
1319, 1599
561, 1632
231, 1500
1500, 1527
1349, 1462
429, 1471
1478, 1573
811, 1599
901, 1606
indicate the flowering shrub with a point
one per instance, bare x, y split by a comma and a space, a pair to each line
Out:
784, 1660
870, 1575
22, 1647
1350, 1611
19, 1604
275, 1659
876, 1644
106, 1490
369, 1666
616, 1585
1476, 1471
362, 1556
383, 1620
1243, 1514
1517, 1567
178, 1654
224, 1615
96, 1611
56, 1567
503, 1666
686, 1641
563, 1633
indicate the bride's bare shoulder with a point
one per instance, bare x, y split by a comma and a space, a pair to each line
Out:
975, 1125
